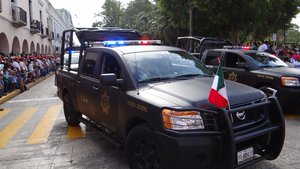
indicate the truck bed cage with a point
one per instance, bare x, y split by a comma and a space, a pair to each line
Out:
88, 36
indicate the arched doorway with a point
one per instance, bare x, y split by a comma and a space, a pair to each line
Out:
38, 50
16, 47
25, 47
49, 50
4, 46
32, 48
45, 50
42, 49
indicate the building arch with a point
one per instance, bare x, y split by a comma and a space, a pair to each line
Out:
16, 47
46, 50
38, 50
49, 50
25, 48
42, 50
4, 45
32, 48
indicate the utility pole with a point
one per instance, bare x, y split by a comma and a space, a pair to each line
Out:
191, 19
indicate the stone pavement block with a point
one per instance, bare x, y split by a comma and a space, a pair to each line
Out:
44, 166
25, 163
290, 157
46, 160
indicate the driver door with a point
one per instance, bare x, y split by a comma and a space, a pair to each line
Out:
232, 70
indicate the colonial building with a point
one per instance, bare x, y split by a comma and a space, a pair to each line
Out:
28, 26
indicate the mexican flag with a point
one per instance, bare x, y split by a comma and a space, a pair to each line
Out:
218, 93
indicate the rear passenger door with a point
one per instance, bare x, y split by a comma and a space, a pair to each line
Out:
109, 97
88, 84
232, 70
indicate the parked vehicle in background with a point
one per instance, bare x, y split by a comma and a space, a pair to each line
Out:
196, 45
258, 69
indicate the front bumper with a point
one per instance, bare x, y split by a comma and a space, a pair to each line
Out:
289, 97
218, 149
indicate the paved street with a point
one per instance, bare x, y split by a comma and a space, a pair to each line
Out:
34, 134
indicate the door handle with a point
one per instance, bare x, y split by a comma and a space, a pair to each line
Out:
95, 87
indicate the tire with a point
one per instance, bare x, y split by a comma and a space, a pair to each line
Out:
72, 116
142, 149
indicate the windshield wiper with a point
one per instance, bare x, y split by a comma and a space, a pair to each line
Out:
154, 79
188, 75
265, 66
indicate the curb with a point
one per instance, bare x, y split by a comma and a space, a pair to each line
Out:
18, 91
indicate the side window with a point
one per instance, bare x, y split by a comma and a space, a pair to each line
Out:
232, 59
212, 58
183, 44
89, 64
111, 65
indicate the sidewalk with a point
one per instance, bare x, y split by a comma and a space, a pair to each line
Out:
18, 91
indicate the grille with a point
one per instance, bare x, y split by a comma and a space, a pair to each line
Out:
250, 117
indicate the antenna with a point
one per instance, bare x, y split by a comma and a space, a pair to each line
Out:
136, 73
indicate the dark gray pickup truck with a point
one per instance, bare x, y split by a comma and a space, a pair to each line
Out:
153, 100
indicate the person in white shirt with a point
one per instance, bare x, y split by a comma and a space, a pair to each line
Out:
296, 63
22, 64
16, 63
263, 47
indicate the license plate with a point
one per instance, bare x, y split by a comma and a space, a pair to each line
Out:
245, 155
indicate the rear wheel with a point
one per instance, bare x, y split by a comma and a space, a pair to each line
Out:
72, 116
142, 149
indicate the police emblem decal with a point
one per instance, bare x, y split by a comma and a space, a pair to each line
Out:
105, 102
241, 115
232, 76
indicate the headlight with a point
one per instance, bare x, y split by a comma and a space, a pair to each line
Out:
289, 81
182, 120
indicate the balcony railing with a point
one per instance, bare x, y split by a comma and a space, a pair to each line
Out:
19, 16
44, 32
51, 36
35, 26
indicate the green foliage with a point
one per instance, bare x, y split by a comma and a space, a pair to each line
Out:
111, 14
237, 20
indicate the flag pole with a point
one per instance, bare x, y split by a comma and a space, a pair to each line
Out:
229, 107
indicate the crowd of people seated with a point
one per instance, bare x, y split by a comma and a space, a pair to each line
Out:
16, 71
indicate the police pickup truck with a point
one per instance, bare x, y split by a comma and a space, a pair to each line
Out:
153, 100
196, 45
258, 69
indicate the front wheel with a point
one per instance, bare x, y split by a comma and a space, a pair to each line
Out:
72, 116
142, 149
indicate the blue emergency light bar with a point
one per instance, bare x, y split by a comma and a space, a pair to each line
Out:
131, 42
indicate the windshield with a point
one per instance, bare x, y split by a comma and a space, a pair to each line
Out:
262, 59
161, 65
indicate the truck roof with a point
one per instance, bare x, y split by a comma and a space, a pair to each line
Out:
142, 48
104, 34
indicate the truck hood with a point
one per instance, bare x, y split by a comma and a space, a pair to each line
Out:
280, 71
194, 92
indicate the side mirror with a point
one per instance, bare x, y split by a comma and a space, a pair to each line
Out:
242, 65
110, 79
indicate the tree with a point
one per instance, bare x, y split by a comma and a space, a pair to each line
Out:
234, 19
112, 13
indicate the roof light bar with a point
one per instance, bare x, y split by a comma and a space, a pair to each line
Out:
237, 47
131, 42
